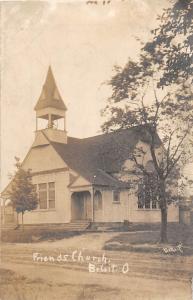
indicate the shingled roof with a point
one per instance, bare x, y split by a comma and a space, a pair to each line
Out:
50, 96
98, 158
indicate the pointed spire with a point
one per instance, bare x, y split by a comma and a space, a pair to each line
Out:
50, 96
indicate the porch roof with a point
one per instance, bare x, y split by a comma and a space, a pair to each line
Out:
100, 178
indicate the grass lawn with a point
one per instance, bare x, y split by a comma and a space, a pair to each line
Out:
138, 237
148, 241
35, 235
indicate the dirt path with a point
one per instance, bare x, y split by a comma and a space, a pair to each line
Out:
149, 277
105, 286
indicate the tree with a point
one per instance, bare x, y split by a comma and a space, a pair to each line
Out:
155, 92
170, 49
171, 45
22, 193
163, 115
169, 52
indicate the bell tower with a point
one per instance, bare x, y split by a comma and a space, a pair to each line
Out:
51, 108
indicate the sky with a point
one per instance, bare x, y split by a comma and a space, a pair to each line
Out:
82, 43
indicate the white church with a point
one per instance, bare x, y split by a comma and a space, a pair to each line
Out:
83, 180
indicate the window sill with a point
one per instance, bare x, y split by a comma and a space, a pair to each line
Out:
147, 209
116, 202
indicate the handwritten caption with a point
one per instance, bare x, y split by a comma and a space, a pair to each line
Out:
96, 264
173, 249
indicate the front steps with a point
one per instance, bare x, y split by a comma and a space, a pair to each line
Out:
76, 225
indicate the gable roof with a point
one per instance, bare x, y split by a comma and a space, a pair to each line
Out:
98, 158
50, 96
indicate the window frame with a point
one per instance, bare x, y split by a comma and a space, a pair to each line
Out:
48, 200
148, 195
43, 190
52, 189
119, 196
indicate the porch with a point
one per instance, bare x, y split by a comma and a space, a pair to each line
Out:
86, 205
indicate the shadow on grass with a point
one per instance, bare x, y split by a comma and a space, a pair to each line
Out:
148, 241
36, 235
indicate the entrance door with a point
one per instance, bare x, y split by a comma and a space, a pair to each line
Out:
81, 206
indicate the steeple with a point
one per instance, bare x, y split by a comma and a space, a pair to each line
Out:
50, 107
50, 96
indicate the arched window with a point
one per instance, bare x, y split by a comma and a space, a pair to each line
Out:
98, 200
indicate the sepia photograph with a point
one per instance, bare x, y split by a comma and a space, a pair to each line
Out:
96, 150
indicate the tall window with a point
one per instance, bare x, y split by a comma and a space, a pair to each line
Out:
147, 193
42, 187
116, 196
46, 195
51, 194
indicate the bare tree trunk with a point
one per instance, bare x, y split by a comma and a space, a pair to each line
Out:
163, 206
163, 233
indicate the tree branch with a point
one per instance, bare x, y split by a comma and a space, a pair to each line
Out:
172, 159
141, 167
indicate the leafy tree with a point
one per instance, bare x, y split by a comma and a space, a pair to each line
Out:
155, 92
171, 46
22, 193
166, 64
167, 116
169, 51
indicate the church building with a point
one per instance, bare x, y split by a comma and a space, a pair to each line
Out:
84, 180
